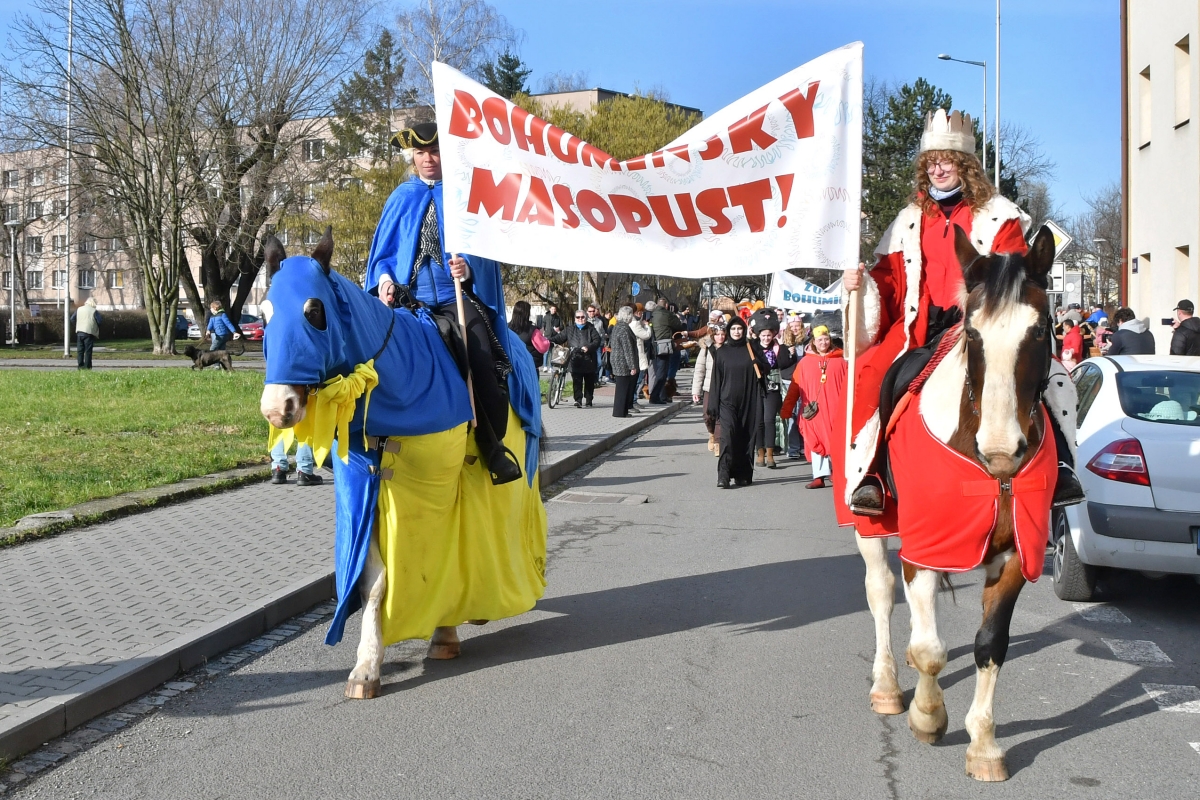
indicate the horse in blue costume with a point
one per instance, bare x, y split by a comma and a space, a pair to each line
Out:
424, 539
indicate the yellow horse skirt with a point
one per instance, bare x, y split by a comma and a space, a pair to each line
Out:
455, 546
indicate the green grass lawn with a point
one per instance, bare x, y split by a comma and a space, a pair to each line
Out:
124, 349
67, 437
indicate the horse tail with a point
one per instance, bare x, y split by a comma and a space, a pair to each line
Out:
945, 585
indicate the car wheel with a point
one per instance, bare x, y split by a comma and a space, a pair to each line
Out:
1073, 579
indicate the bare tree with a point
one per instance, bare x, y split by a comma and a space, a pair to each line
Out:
283, 61
1024, 157
141, 69
1098, 244
464, 34
564, 82
1035, 199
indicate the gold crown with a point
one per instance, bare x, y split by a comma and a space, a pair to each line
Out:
948, 132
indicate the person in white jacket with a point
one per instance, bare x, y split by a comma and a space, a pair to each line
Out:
702, 377
641, 329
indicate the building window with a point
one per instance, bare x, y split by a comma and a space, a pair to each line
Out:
6, 280
12, 178
33, 209
33, 279
314, 149
311, 189
59, 244
33, 246
312, 237
284, 237
1144, 107
88, 244
59, 208
1183, 81
87, 279
60, 175
59, 278
280, 193
12, 212
37, 177
114, 279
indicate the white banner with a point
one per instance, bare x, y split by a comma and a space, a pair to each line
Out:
768, 183
797, 294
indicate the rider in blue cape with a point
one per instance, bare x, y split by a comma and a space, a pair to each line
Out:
408, 266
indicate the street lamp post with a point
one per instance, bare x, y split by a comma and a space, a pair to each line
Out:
1099, 271
948, 57
12, 279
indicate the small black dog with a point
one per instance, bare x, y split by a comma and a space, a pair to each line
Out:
208, 358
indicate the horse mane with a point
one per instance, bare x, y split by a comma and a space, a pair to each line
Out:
1004, 283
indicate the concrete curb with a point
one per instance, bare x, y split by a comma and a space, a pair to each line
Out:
55, 716
555, 472
48, 523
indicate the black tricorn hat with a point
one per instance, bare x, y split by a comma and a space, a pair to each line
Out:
423, 134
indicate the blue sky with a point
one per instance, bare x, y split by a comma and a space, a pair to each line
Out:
1060, 58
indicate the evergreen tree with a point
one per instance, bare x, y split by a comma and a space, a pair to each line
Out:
366, 101
893, 121
506, 76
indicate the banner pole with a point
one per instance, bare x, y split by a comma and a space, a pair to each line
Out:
462, 329
850, 337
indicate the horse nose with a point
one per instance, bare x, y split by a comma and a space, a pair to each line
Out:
1022, 449
1005, 465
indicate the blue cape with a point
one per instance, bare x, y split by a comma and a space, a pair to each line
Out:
393, 249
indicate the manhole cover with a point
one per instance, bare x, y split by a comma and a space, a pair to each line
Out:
600, 498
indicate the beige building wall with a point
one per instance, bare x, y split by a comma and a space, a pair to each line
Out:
1162, 42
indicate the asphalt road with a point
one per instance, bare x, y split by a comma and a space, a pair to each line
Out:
707, 644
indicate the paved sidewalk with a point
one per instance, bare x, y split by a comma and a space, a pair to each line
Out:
248, 361
97, 616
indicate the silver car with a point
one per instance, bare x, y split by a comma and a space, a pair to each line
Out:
1138, 459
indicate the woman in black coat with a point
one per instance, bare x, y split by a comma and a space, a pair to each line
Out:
584, 341
735, 401
623, 359
520, 324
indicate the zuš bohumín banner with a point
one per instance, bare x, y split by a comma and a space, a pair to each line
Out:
797, 294
767, 183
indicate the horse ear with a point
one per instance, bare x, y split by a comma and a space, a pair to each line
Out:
273, 255
323, 252
1041, 255
974, 266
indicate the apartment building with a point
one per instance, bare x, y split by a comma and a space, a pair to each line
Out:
1161, 157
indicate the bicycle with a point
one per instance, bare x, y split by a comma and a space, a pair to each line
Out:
560, 357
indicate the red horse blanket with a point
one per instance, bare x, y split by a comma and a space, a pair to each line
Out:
948, 504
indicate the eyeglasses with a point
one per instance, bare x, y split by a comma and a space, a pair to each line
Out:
580, 316
945, 165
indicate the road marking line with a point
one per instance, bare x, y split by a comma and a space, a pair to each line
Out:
1137, 651
1196, 746
1184, 699
1101, 612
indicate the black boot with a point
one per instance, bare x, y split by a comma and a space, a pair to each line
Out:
1067, 489
867, 500
278, 476
308, 479
503, 466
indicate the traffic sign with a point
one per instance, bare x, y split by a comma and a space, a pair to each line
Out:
1062, 239
637, 289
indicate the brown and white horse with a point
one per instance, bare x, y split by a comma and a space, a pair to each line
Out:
1003, 358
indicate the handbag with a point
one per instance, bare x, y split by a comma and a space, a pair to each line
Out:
810, 410
539, 341
664, 347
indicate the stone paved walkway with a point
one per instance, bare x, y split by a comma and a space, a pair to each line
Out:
91, 601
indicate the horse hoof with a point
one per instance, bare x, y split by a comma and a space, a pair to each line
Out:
887, 703
362, 690
990, 770
928, 737
443, 652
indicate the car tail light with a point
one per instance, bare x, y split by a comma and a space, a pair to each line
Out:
1122, 460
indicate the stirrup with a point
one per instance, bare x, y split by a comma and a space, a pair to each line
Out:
503, 466
868, 498
1067, 489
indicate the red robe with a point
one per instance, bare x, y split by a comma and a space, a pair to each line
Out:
916, 263
807, 385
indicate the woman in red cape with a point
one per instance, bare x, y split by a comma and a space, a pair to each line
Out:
818, 385
915, 293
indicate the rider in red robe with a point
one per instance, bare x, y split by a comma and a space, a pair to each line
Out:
914, 293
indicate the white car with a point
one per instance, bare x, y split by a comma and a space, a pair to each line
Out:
1138, 459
